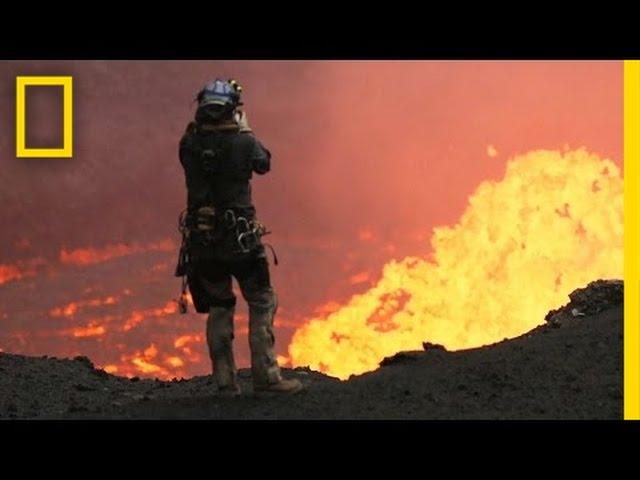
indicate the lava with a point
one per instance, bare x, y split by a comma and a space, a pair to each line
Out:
89, 256
70, 309
165, 363
520, 247
92, 329
141, 361
12, 272
138, 316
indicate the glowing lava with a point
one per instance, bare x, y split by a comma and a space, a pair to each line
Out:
89, 256
22, 269
552, 224
71, 308
9, 273
91, 330
138, 316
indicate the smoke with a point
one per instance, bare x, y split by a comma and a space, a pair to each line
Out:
124, 183
368, 157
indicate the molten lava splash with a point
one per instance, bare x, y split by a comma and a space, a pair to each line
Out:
552, 224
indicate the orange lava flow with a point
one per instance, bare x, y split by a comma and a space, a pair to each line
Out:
71, 308
91, 330
9, 273
138, 316
89, 256
22, 269
151, 361
552, 224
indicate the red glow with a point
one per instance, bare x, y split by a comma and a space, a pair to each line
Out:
89, 256
70, 309
368, 159
359, 278
11, 272
139, 316
91, 330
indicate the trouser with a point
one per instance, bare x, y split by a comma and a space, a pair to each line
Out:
210, 285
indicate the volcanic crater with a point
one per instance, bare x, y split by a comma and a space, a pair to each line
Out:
568, 368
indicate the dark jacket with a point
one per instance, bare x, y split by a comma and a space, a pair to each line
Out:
218, 167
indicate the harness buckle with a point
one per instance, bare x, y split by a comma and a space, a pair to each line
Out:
246, 235
230, 219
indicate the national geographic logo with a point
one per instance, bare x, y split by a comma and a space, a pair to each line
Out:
22, 150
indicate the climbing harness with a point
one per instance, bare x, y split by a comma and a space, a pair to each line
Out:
203, 225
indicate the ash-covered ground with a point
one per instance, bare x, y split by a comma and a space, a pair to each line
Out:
568, 368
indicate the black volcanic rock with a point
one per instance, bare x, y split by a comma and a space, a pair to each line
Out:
402, 357
596, 297
433, 346
84, 360
573, 372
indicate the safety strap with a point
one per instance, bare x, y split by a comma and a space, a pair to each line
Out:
273, 252
181, 268
251, 228
183, 303
207, 127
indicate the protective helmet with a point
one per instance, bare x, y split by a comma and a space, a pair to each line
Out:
220, 92
217, 100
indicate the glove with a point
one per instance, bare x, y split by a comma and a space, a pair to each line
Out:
243, 123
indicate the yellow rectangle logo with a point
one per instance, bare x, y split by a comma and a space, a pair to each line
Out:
22, 151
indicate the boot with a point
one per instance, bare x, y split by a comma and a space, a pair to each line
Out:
230, 391
290, 386
264, 367
220, 343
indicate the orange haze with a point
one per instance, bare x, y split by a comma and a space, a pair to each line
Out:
451, 202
